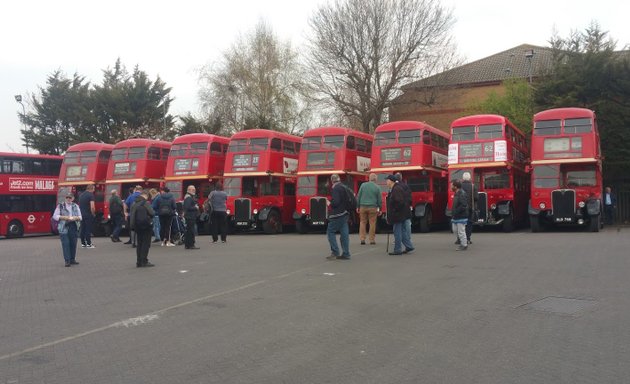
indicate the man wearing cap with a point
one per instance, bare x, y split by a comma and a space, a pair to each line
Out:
397, 213
338, 221
116, 215
68, 215
471, 194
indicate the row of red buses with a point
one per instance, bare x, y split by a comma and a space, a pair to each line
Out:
418, 152
260, 176
28, 193
566, 170
327, 151
495, 153
85, 164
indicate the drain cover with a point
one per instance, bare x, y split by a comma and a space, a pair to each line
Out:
561, 305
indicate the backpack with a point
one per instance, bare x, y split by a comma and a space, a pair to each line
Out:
142, 218
351, 200
165, 208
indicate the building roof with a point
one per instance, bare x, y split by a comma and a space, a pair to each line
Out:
513, 63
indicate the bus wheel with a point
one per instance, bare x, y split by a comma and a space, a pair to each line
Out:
508, 222
15, 229
273, 224
534, 223
300, 226
426, 221
593, 225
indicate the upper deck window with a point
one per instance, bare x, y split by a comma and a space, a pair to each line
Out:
385, 138
198, 149
119, 154
137, 153
276, 144
216, 148
237, 145
490, 131
577, 126
288, 147
314, 142
409, 137
178, 150
103, 156
463, 133
258, 144
331, 142
83, 157
153, 153
547, 127
350, 143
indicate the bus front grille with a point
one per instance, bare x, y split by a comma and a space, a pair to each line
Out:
563, 205
242, 209
318, 209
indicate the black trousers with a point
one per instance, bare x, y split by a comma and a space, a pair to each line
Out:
87, 223
609, 214
468, 229
189, 235
143, 238
218, 224
165, 227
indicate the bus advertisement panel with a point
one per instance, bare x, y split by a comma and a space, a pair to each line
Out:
28, 193
85, 164
566, 186
327, 151
260, 170
136, 162
418, 152
495, 153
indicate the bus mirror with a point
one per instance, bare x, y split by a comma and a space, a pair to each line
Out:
444, 174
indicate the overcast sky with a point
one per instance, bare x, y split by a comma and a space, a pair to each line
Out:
174, 38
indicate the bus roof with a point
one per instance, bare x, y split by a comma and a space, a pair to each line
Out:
200, 137
260, 133
562, 113
479, 119
90, 146
323, 131
409, 125
142, 143
31, 155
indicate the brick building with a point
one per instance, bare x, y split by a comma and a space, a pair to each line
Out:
442, 98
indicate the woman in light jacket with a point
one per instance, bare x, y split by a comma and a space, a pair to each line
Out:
69, 217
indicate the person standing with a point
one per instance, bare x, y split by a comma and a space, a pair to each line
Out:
166, 210
397, 213
218, 217
116, 215
68, 215
338, 220
471, 194
127, 208
155, 201
610, 204
88, 214
191, 213
370, 200
406, 234
142, 223
460, 214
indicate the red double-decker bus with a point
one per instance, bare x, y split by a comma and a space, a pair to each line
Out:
260, 178
85, 164
419, 152
495, 153
566, 169
136, 162
327, 151
28, 193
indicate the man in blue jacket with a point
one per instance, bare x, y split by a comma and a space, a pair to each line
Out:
338, 220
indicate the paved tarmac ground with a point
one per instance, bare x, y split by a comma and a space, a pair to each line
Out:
515, 308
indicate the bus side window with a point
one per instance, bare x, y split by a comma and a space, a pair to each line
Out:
276, 145
350, 142
216, 148
426, 137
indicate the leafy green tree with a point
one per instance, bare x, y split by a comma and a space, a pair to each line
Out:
587, 72
516, 103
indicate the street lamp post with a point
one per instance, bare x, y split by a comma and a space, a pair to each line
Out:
18, 98
529, 54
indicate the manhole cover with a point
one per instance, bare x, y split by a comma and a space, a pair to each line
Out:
561, 305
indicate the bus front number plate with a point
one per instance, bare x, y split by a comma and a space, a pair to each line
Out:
242, 223
318, 223
563, 220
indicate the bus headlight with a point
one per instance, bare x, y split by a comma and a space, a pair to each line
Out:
228, 211
581, 204
493, 206
303, 211
542, 205
255, 211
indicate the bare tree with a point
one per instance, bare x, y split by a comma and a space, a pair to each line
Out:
362, 51
258, 84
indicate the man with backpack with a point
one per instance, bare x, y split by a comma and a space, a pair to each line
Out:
191, 213
398, 213
166, 209
141, 221
341, 205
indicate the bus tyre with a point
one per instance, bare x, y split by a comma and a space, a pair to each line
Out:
273, 224
593, 225
426, 221
15, 229
508, 222
300, 226
534, 223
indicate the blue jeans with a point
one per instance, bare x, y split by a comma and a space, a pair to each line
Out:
69, 244
339, 224
117, 221
156, 228
402, 236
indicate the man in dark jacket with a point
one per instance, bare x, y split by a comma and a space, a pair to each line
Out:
338, 220
460, 214
143, 229
116, 215
397, 213
191, 212
471, 193
166, 209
